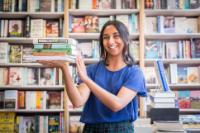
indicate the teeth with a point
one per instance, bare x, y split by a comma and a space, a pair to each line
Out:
112, 46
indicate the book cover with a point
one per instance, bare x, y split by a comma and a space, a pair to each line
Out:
160, 71
15, 54
195, 99
193, 75
21, 99
47, 76
3, 76
52, 29
15, 28
91, 24
182, 75
53, 100
10, 99
7, 122
184, 99
154, 50
1, 99
171, 50
15, 76
4, 52
169, 24
150, 75
53, 124
32, 76
78, 25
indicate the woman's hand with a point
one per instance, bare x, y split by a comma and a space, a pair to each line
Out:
81, 68
53, 63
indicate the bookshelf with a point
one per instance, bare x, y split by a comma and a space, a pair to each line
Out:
141, 36
182, 89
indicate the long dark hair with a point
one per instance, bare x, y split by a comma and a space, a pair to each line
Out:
124, 35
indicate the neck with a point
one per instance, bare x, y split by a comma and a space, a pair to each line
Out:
115, 63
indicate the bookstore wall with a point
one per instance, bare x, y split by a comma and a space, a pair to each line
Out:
33, 96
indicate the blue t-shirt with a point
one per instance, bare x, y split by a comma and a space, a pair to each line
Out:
130, 77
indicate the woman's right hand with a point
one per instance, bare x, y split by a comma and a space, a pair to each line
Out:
53, 63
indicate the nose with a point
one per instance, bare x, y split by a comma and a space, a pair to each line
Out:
111, 40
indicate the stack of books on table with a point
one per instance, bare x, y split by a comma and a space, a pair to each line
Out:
54, 49
168, 127
162, 99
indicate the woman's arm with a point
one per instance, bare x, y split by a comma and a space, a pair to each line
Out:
114, 102
77, 95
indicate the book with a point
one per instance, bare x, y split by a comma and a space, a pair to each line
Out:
7, 122
15, 54
15, 28
47, 76
4, 52
160, 72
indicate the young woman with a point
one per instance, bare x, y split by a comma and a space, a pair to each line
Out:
108, 89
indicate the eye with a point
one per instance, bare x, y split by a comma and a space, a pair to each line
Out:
116, 36
106, 37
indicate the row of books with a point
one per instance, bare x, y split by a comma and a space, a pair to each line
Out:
174, 4
11, 122
31, 100
188, 99
34, 5
175, 49
33, 76
93, 24
172, 24
31, 28
175, 74
104, 4
13, 5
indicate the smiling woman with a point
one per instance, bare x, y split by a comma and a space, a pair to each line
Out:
108, 88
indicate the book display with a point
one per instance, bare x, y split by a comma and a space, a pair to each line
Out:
31, 30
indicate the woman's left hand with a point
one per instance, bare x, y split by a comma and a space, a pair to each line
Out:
81, 69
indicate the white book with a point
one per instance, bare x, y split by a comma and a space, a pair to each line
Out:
173, 73
4, 52
37, 28
162, 94
67, 58
163, 105
150, 25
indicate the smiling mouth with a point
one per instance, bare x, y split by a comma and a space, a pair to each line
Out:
112, 46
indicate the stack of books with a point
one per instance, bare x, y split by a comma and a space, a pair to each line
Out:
54, 49
161, 99
168, 127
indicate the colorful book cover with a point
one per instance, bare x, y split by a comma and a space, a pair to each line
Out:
47, 76
53, 100
184, 99
91, 24
52, 29
15, 28
15, 54
53, 124
7, 122
15, 76
182, 75
32, 76
78, 25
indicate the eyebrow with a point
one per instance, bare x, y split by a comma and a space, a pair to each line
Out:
112, 34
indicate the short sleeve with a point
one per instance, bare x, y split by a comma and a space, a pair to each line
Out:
135, 80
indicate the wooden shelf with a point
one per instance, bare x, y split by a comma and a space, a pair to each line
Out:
177, 86
32, 110
172, 12
107, 12
171, 36
177, 61
35, 87
20, 15
189, 111
91, 36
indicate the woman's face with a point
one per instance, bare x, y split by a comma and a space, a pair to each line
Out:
112, 41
